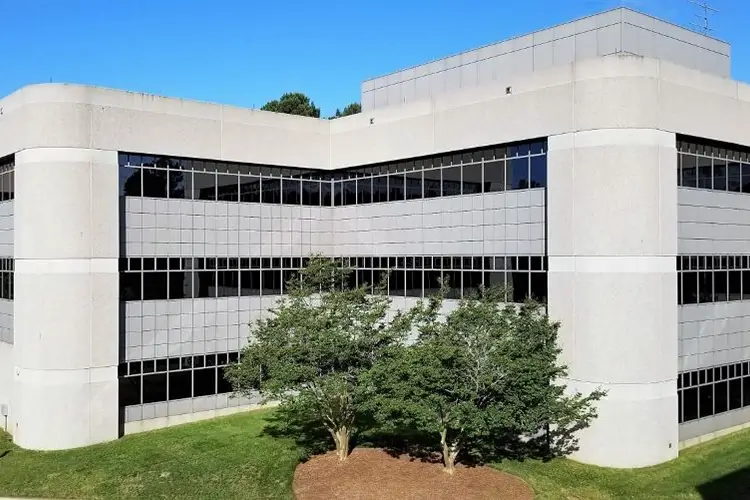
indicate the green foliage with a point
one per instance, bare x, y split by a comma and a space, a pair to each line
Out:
478, 379
293, 103
311, 350
351, 109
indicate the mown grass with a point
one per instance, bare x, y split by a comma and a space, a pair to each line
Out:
230, 458
222, 458
717, 470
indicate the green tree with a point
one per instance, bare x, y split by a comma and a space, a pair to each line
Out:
311, 351
351, 109
293, 103
476, 377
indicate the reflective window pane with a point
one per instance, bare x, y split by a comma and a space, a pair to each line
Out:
518, 173
538, 176
452, 181
494, 176
472, 179
204, 186
396, 187
227, 187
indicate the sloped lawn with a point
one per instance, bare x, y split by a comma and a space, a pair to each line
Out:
230, 458
717, 470
222, 458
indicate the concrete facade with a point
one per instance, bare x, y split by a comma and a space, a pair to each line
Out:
135, 280
618, 31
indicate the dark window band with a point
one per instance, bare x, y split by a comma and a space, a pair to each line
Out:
712, 278
717, 166
499, 168
712, 391
162, 278
168, 379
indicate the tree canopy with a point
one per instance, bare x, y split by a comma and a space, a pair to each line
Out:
477, 379
293, 103
310, 352
351, 109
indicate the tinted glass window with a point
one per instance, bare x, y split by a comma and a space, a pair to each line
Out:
432, 186
204, 382
155, 388
538, 172
396, 187
518, 173
705, 173
350, 192
720, 175
180, 385
734, 182
311, 193
413, 185
250, 189
227, 187
472, 179
228, 284
325, 194
380, 189
130, 391
271, 190
180, 184
291, 191
689, 171
494, 176
204, 186
180, 285
155, 183
130, 181
155, 286
130, 286
705, 286
690, 404
205, 284
364, 190
451, 181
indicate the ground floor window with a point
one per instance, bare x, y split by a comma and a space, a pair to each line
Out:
712, 391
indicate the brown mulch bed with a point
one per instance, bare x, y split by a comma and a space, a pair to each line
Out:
371, 474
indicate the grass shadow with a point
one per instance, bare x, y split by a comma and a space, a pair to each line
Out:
733, 486
307, 433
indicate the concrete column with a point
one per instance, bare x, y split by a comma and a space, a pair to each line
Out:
66, 298
612, 208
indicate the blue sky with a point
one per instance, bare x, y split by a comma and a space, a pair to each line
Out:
246, 52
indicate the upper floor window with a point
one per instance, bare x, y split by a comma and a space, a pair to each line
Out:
509, 167
704, 164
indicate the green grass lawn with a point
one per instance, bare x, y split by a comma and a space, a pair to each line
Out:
217, 459
230, 458
717, 470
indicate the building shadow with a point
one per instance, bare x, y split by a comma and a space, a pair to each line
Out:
733, 486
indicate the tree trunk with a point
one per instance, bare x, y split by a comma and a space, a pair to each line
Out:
341, 438
450, 452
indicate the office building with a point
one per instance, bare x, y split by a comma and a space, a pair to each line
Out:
601, 165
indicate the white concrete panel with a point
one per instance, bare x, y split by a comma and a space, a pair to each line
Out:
66, 258
544, 56
608, 40
595, 282
564, 50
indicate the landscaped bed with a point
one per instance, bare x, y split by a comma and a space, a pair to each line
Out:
231, 458
373, 474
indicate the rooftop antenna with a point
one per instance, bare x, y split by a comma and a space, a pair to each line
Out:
707, 10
